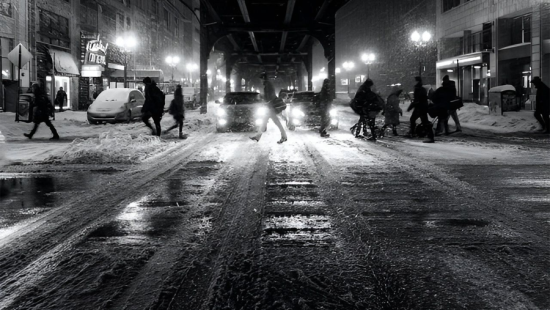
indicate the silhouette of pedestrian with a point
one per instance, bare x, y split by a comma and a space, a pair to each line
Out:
420, 106
41, 113
177, 110
392, 111
325, 103
274, 107
542, 108
60, 98
153, 106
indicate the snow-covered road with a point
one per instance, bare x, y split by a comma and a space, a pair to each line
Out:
218, 221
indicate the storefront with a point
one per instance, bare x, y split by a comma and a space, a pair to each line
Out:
471, 74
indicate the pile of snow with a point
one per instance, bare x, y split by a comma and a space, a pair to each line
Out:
111, 147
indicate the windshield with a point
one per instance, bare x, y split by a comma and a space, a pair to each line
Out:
113, 95
303, 97
242, 98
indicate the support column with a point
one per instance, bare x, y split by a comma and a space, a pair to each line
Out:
300, 77
204, 55
309, 67
229, 62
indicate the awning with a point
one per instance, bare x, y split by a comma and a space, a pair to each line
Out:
139, 73
64, 63
463, 60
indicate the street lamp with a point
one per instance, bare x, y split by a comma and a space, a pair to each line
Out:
126, 44
368, 59
420, 41
191, 67
348, 65
172, 61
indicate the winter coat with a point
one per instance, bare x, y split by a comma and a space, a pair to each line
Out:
60, 97
367, 102
420, 98
269, 92
542, 98
154, 100
43, 107
324, 98
177, 107
392, 109
442, 97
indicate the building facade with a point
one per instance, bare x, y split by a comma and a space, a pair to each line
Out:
76, 44
487, 43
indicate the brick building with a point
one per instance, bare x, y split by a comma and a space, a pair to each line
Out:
485, 43
74, 43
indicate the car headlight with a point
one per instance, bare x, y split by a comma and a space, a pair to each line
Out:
298, 113
333, 113
262, 111
222, 122
221, 113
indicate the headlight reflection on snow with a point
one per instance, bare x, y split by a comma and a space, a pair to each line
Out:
297, 113
333, 113
261, 111
221, 112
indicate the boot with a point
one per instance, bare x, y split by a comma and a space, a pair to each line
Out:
28, 135
181, 136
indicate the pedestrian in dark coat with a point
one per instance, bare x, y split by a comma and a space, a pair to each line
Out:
442, 98
325, 103
392, 111
60, 98
275, 106
177, 110
368, 104
153, 107
43, 108
450, 86
420, 106
542, 108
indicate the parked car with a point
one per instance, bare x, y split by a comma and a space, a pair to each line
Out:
240, 111
116, 105
304, 110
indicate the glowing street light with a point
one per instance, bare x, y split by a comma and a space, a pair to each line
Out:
348, 65
126, 44
420, 41
172, 61
368, 59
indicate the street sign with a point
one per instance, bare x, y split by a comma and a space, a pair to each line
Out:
14, 57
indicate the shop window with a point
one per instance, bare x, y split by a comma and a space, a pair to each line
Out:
53, 29
487, 36
6, 46
521, 29
449, 4
6, 8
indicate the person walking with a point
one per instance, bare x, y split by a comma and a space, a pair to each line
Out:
274, 107
367, 104
41, 112
542, 108
450, 86
392, 111
325, 103
60, 98
420, 106
442, 98
177, 110
153, 107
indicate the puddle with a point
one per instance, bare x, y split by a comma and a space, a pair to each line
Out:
456, 223
297, 230
140, 222
27, 195
292, 184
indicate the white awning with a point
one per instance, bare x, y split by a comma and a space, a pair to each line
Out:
64, 63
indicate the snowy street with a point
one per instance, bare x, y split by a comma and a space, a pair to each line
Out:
109, 217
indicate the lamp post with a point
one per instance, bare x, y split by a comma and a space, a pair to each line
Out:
172, 61
348, 65
368, 59
420, 41
126, 44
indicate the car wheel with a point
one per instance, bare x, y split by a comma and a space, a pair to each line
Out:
92, 122
220, 129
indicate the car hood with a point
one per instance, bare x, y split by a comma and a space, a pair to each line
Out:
107, 105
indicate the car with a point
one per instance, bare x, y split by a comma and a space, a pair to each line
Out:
191, 97
304, 110
240, 111
116, 105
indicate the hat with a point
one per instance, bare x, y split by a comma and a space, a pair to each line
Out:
446, 78
369, 82
536, 79
147, 80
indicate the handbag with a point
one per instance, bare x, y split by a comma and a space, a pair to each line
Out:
456, 104
278, 105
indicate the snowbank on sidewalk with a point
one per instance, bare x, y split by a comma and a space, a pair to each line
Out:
111, 147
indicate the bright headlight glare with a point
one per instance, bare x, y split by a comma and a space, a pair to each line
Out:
334, 122
222, 122
261, 111
333, 113
259, 122
297, 113
221, 113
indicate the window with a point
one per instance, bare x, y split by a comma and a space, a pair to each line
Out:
155, 7
521, 29
176, 27
449, 4
487, 36
167, 18
6, 45
6, 8
53, 29
128, 23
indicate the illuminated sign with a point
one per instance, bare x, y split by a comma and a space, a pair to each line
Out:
96, 52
